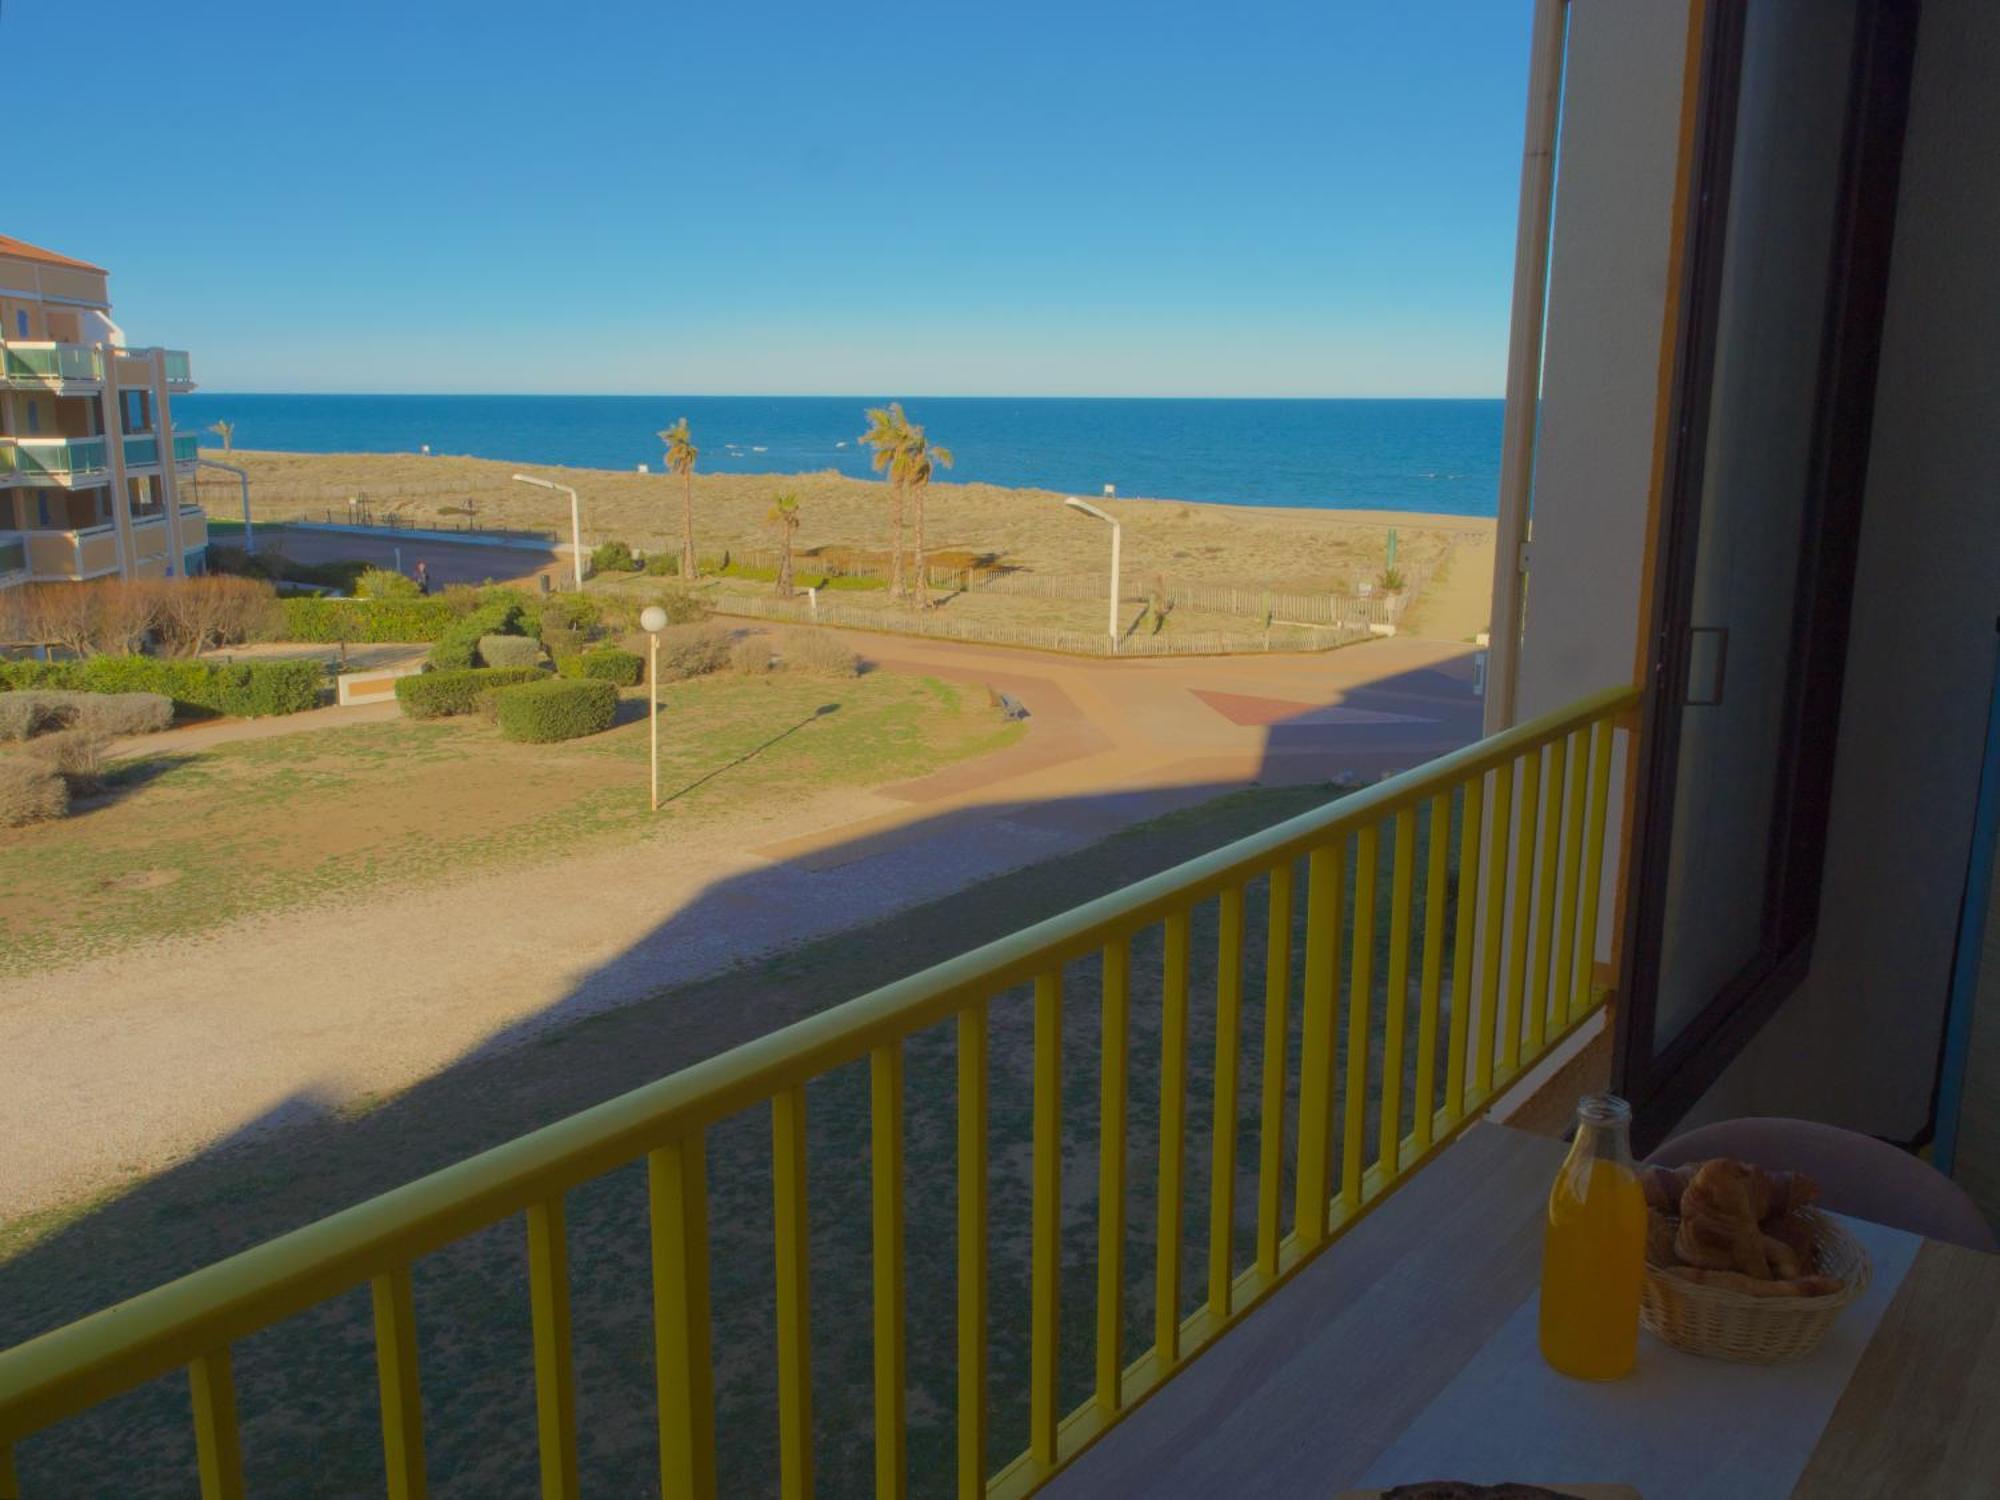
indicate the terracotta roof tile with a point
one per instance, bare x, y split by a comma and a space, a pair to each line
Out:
22, 250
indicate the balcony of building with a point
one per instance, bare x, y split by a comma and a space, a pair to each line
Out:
64, 462
61, 369
78, 554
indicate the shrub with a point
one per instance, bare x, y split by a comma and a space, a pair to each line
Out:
605, 664
192, 614
509, 651
458, 646
238, 689
440, 695
560, 641
385, 583
819, 655
556, 708
76, 755
579, 612
341, 575
663, 565
691, 651
364, 621
30, 792
751, 656
35, 711
611, 557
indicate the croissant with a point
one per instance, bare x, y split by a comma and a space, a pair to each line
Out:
1738, 1189
1663, 1186
1798, 1286
1726, 1244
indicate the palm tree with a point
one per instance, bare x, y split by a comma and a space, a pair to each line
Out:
681, 454
920, 458
888, 434
224, 430
785, 516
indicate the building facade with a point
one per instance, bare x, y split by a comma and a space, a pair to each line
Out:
94, 480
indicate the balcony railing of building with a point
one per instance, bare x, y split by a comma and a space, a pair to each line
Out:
52, 460
1515, 824
143, 451
179, 370
51, 365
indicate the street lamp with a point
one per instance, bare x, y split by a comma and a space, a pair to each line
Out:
1090, 510
243, 478
653, 620
575, 521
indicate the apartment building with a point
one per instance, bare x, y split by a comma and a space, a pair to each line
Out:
92, 473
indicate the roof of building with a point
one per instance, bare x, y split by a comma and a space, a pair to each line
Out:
22, 250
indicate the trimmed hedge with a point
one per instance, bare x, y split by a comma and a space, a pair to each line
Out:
244, 689
26, 712
440, 695
366, 621
458, 646
30, 792
557, 708
605, 664
509, 651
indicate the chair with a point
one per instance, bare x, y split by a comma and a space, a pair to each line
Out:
1857, 1175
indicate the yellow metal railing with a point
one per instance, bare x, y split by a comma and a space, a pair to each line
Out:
1515, 825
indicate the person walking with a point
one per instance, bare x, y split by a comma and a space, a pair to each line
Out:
423, 578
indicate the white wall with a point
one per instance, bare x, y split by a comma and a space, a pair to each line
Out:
1857, 1045
1616, 163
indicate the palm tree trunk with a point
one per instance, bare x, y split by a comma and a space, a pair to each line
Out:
785, 565
918, 584
687, 527
896, 589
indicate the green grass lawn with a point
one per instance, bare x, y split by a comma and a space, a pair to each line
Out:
184, 842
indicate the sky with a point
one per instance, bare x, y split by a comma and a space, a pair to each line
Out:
1089, 197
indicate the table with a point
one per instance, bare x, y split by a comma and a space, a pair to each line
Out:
1305, 1395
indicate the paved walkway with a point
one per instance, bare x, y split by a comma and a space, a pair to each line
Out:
123, 1064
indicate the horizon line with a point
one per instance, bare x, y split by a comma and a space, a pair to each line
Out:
805, 396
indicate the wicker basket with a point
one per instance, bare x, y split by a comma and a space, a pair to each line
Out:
1725, 1324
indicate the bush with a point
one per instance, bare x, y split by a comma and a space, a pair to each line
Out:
440, 695
385, 583
458, 646
341, 575
117, 616
239, 689
751, 656
611, 557
560, 641
30, 792
579, 612
36, 711
556, 708
663, 565
364, 621
819, 655
509, 651
605, 664
691, 651
76, 755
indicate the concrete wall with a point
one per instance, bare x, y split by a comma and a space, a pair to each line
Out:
1616, 164
1857, 1045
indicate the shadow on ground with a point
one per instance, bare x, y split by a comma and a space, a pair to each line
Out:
307, 1388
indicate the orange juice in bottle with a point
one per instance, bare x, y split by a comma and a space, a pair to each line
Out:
1594, 1254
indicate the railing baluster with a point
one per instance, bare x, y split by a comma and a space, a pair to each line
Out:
1430, 977
1499, 844
1574, 788
402, 1395
555, 1374
790, 1221
1550, 849
1045, 1229
1583, 987
1360, 1002
1173, 1140
1389, 1124
1464, 980
1324, 873
1277, 1001
892, 1471
1517, 919
218, 1448
1111, 1178
972, 1252
677, 1180
1222, 1145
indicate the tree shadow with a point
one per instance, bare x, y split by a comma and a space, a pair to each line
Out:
751, 754
953, 881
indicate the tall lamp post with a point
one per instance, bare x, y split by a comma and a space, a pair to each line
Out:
1090, 510
653, 620
242, 478
575, 520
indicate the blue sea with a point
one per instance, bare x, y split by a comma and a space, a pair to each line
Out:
1437, 456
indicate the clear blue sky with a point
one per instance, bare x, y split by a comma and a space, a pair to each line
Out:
743, 196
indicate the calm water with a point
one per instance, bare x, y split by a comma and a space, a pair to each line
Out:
1437, 456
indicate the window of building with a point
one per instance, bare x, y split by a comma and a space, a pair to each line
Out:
34, 416
42, 511
20, 323
137, 410
144, 495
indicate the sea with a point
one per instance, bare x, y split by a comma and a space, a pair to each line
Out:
1436, 456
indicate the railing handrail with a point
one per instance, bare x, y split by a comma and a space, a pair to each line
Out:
63, 1371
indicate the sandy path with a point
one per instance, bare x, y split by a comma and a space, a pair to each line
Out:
126, 1063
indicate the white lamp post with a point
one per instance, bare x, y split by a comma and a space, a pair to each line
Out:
654, 619
1090, 510
242, 478
575, 521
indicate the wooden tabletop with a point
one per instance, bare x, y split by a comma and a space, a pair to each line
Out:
1304, 1395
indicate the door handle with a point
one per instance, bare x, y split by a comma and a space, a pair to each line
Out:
1720, 675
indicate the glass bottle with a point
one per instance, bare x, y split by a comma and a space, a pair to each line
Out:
1594, 1252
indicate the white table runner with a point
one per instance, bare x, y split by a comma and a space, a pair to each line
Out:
1677, 1428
